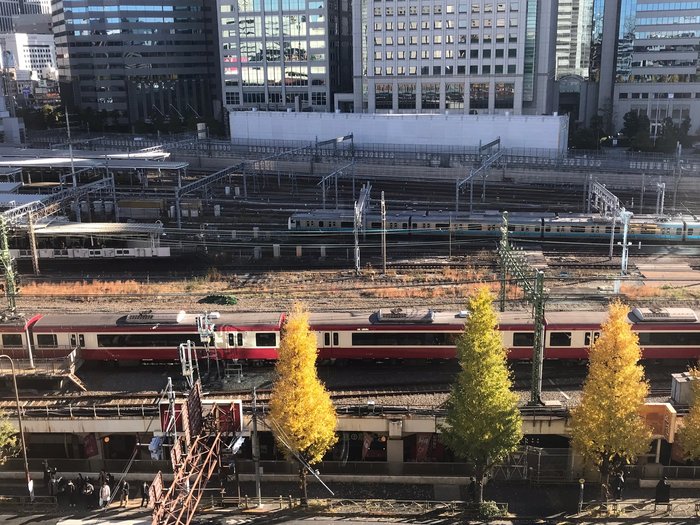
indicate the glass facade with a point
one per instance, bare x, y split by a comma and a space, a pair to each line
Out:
282, 46
574, 37
145, 60
658, 42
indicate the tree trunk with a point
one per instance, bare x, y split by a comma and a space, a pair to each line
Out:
479, 474
302, 486
605, 479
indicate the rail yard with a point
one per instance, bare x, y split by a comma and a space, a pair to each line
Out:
140, 248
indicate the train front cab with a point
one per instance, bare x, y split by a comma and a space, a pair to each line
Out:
15, 335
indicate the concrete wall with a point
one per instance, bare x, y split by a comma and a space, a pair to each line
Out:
515, 131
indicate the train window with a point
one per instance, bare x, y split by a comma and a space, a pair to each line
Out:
560, 339
548, 228
11, 340
690, 231
232, 339
81, 339
474, 227
326, 339
351, 225
266, 339
669, 338
73, 340
46, 340
536, 228
578, 229
240, 339
144, 340
523, 338
608, 229
679, 231
415, 225
320, 224
404, 225
335, 338
404, 339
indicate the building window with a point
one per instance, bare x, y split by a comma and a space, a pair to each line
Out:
623, 95
430, 95
233, 98
454, 96
383, 96
479, 96
505, 95
407, 96
318, 99
512, 53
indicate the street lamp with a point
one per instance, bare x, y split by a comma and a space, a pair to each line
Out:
30, 483
581, 483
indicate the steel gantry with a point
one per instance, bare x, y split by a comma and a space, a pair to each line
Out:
603, 200
32, 212
361, 207
241, 167
531, 281
485, 164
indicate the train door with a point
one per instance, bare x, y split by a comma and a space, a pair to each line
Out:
77, 340
331, 339
590, 338
235, 342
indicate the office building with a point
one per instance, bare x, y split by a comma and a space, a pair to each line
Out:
658, 62
278, 54
474, 57
574, 33
146, 59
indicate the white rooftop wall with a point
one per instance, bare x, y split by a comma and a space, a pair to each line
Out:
515, 131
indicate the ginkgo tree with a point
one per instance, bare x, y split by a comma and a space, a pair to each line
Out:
689, 435
483, 423
607, 427
302, 412
8, 440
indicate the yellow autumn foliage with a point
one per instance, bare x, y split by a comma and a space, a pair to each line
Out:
607, 427
300, 404
689, 435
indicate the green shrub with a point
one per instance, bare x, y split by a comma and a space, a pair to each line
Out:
219, 299
489, 510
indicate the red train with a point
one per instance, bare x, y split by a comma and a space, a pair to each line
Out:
664, 333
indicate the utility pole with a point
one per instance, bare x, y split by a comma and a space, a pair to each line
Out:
383, 235
512, 262
256, 448
72, 166
8, 266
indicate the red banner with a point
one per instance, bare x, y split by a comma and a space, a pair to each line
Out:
90, 446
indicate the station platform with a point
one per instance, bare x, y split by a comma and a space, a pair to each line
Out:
61, 368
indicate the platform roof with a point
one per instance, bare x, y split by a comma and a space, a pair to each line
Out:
9, 187
82, 162
97, 228
12, 200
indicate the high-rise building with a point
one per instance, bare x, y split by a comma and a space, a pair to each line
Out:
145, 59
658, 62
278, 54
574, 32
482, 56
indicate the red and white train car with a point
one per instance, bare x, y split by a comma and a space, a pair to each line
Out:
153, 335
666, 333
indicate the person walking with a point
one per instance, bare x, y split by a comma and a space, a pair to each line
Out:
145, 496
124, 495
71, 489
88, 494
105, 495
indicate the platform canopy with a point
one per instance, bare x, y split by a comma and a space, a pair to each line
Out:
81, 162
80, 229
